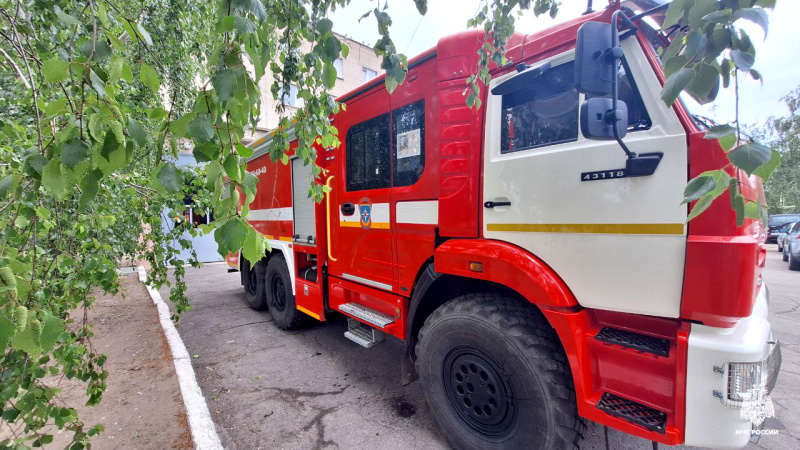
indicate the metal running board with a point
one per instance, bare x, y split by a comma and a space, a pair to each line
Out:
368, 315
634, 412
362, 335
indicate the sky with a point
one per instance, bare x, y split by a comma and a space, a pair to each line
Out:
777, 58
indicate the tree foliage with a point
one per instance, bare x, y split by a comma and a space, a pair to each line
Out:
783, 133
97, 97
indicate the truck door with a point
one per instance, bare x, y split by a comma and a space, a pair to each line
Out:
617, 242
361, 218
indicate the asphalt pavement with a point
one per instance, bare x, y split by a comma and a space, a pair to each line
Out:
309, 389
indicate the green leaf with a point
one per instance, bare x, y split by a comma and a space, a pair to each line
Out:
97, 84
702, 204
727, 142
137, 132
756, 15
7, 184
178, 127
56, 107
207, 151
52, 179
750, 156
150, 77
328, 75
700, 9
170, 177
27, 341
743, 60
144, 34
65, 18
244, 25
675, 13
324, 26
698, 187
226, 25
231, 165
7, 331
705, 79
74, 152
675, 84
231, 236
51, 330
254, 247
89, 186
200, 128
224, 83
718, 131
766, 170
751, 210
244, 152
55, 69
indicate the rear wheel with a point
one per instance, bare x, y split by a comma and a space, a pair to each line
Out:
254, 287
280, 297
494, 375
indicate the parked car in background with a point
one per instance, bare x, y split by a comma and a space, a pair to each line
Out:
791, 246
782, 235
776, 221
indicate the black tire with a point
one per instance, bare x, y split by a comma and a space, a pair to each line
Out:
282, 306
785, 254
794, 264
528, 401
254, 286
780, 249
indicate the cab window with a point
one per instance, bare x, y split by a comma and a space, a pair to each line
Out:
408, 145
368, 155
638, 119
544, 113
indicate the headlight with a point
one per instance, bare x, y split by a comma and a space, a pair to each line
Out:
750, 382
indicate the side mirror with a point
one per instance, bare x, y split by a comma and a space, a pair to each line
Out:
598, 119
595, 59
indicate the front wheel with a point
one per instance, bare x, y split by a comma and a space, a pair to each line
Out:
495, 375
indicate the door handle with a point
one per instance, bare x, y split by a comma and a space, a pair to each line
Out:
348, 209
491, 204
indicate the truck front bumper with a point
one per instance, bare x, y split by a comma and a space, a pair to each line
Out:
717, 358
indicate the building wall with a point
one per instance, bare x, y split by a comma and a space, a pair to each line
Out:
360, 57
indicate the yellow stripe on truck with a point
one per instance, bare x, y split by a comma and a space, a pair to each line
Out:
594, 228
379, 225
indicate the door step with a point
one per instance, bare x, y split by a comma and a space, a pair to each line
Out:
365, 314
363, 335
636, 341
634, 412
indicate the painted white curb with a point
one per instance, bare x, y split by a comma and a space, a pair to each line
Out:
201, 426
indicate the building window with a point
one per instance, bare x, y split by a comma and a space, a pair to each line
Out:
368, 152
339, 71
368, 74
408, 146
544, 113
290, 98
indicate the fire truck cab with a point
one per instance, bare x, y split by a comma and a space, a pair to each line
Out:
536, 276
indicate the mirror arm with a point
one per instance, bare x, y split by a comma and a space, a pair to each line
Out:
616, 55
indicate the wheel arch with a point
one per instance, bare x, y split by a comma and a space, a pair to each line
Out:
507, 269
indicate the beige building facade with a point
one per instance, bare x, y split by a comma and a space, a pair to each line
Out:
360, 66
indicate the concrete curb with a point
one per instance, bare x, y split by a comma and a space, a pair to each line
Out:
204, 434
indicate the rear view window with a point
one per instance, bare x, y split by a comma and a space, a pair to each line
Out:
544, 113
368, 163
408, 123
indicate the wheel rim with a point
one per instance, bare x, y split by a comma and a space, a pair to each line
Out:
278, 293
252, 282
478, 393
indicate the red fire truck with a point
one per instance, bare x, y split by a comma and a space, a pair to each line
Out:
539, 275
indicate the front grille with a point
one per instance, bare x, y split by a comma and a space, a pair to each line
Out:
629, 339
650, 418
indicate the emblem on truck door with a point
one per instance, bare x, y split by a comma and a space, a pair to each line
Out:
365, 211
